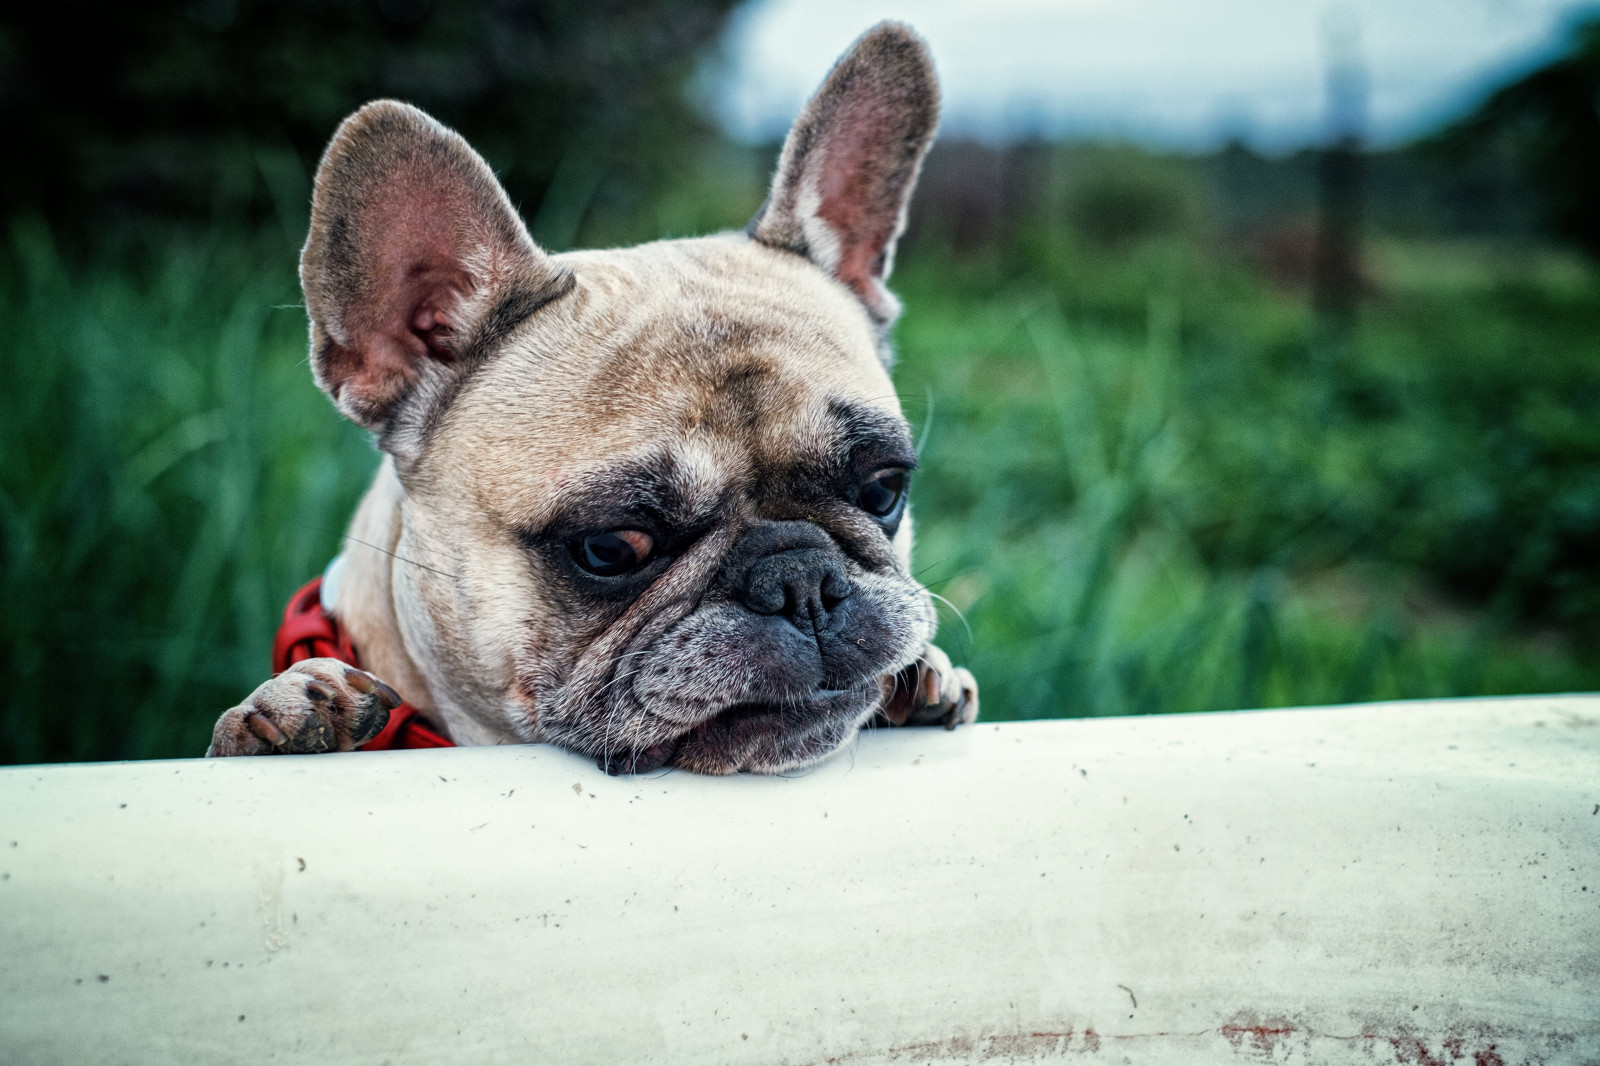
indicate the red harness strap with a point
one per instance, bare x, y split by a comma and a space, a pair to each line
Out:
309, 632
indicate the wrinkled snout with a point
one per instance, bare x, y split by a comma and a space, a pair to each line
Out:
779, 662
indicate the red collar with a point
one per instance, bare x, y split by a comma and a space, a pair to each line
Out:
309, 632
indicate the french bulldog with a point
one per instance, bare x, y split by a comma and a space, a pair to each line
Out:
648, 504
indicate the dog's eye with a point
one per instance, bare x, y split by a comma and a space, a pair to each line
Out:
882, 493
612, 553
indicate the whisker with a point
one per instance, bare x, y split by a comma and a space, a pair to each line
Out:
618, 678
630, 654
927, 421
402, 558
605, 737
612, 720
953, 607
605, 745
952, 577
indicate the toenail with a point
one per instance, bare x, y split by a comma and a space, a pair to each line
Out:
360, 680
264, 728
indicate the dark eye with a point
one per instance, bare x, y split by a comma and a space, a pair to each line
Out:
882, 493
615, 552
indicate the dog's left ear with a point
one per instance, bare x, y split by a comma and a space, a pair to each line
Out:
849, 164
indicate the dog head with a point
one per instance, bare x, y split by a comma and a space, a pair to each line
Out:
668, 483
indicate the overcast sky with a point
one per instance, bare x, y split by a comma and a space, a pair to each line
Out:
1169, 73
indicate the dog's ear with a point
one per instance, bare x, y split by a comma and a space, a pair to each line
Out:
416, 262
848, 166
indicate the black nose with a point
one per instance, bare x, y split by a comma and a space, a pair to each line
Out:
794, 571
802, 585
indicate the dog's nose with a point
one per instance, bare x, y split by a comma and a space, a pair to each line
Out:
802, 584
790, 569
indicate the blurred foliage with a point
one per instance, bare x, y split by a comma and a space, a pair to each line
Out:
1546, 126
168, 475
1129, 196
217, 110
1149, 482
1146, 488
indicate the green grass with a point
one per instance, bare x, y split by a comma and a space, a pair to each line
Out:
1177, 499
1147, 486
169, 476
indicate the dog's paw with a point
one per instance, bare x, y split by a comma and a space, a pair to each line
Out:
314, 706
931, 691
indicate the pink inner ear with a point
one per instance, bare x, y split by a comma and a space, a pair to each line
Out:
419, 246
414, 245
860, 199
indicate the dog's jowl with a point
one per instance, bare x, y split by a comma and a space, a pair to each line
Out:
648, 504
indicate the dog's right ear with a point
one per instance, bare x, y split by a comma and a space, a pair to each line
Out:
416, 262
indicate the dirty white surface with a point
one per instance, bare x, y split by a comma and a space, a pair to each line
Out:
1414, 883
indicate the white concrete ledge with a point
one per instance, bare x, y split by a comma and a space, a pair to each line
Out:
1415, 883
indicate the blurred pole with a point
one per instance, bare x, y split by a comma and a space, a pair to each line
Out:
1336, 280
